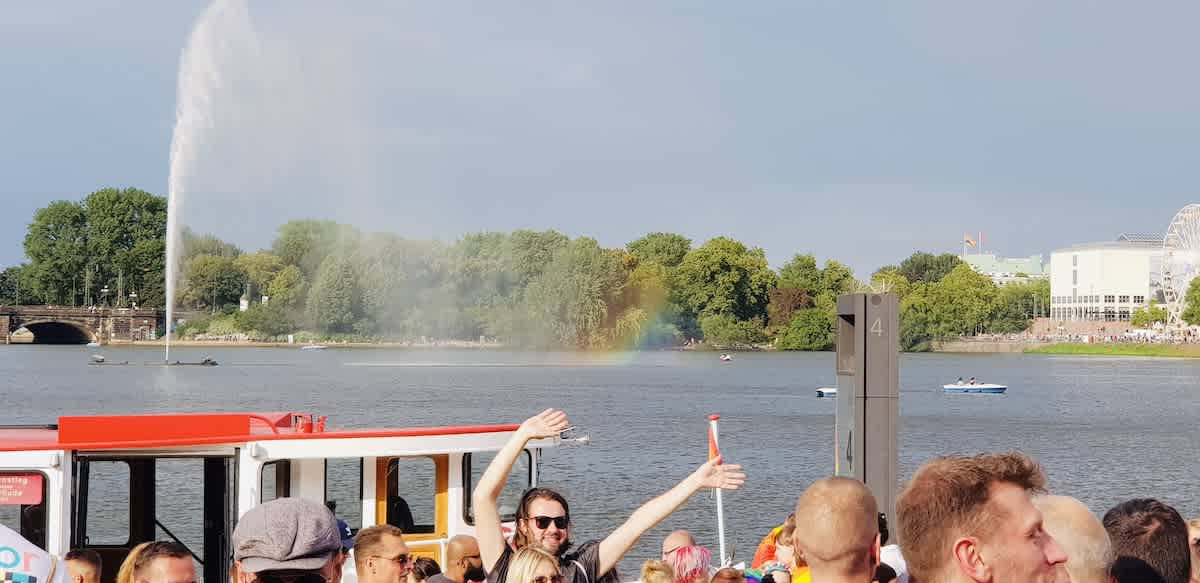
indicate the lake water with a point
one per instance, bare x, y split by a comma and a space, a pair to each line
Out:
1105, 429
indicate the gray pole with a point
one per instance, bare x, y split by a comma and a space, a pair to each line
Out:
868, 411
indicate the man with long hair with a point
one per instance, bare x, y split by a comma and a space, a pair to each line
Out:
544, 519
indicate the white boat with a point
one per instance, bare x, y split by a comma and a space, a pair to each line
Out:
986, 388
238, 460
825, 392
726, 358
93, 345
314, 347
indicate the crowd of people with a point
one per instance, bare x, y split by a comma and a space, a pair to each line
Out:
960, 519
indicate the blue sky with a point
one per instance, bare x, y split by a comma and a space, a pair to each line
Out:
859, 131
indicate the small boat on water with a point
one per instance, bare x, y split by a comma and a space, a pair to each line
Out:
93, 345
982, 388
313, 347
826, 392
726, 358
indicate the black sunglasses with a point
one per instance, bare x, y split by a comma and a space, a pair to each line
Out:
550, 579
543, 522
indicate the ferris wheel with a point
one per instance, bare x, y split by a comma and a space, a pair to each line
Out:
1181, 258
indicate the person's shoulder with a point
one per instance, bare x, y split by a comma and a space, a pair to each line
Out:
441, 578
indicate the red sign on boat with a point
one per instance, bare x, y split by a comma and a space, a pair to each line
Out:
21, 488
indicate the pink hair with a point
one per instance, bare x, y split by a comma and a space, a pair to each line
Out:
690, 563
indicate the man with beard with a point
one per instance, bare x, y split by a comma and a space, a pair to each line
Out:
463, 563
544, 519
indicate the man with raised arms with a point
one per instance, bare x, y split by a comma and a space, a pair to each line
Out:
544, 519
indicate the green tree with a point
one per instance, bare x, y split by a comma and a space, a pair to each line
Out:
666, 249
260, 269
1148, 316
725, 331
193, 245
576, 301
306, 243
1191, 303
334, 301
56, 244
964, 301
287, 288
802, 272
927, 267
890, 280
213, 281
126, 240
270, 320
810, 329
723, 277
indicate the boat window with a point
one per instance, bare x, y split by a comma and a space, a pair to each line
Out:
23, 504
412, 494
519, 480
108, 521
275, 480
179, 503
343, 489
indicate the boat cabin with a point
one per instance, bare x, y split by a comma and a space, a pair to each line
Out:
108, 483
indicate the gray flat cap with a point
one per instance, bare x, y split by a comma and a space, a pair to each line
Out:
286, 534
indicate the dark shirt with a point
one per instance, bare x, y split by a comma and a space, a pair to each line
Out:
440, 578
586, 556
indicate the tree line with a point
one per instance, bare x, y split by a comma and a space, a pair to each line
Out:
524, 288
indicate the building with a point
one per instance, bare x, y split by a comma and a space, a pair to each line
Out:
1006, 270
1107, 280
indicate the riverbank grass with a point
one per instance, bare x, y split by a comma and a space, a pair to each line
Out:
1119, 349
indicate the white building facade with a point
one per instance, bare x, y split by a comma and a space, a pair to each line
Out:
1105, 281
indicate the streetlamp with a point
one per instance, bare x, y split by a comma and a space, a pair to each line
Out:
133, 299
104, 296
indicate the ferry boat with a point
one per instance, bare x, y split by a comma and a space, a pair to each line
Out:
94, 481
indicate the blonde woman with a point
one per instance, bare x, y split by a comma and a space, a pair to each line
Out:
533, 565
125, 573
655, 571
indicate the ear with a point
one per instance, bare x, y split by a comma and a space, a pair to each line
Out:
969, 561
875, 552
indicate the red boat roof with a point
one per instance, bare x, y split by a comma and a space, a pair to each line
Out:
187, 429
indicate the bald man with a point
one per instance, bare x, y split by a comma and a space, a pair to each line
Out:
837, 530
1081, 536
463, 562
675, 541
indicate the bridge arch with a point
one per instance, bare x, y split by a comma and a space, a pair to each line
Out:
56, 331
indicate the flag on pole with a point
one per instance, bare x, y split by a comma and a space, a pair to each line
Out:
968, 240
713, 449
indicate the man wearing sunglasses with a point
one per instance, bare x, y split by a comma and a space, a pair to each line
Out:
287, 540
544, 519
380, 555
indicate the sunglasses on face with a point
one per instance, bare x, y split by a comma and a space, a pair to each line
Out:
543, 522
295, 577
550, 579
401, 561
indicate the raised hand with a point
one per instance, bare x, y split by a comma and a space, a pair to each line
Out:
714, 474
548, 423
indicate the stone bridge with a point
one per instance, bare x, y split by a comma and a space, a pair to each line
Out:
60, 325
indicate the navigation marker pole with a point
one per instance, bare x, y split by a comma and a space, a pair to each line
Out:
714, 451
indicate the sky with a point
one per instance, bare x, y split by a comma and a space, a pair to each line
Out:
855, 131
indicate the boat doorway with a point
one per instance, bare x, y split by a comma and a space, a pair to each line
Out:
122, 501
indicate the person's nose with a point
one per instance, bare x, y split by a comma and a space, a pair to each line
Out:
1054, 552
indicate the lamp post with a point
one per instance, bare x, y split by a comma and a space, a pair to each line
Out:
104, 296
133, 299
